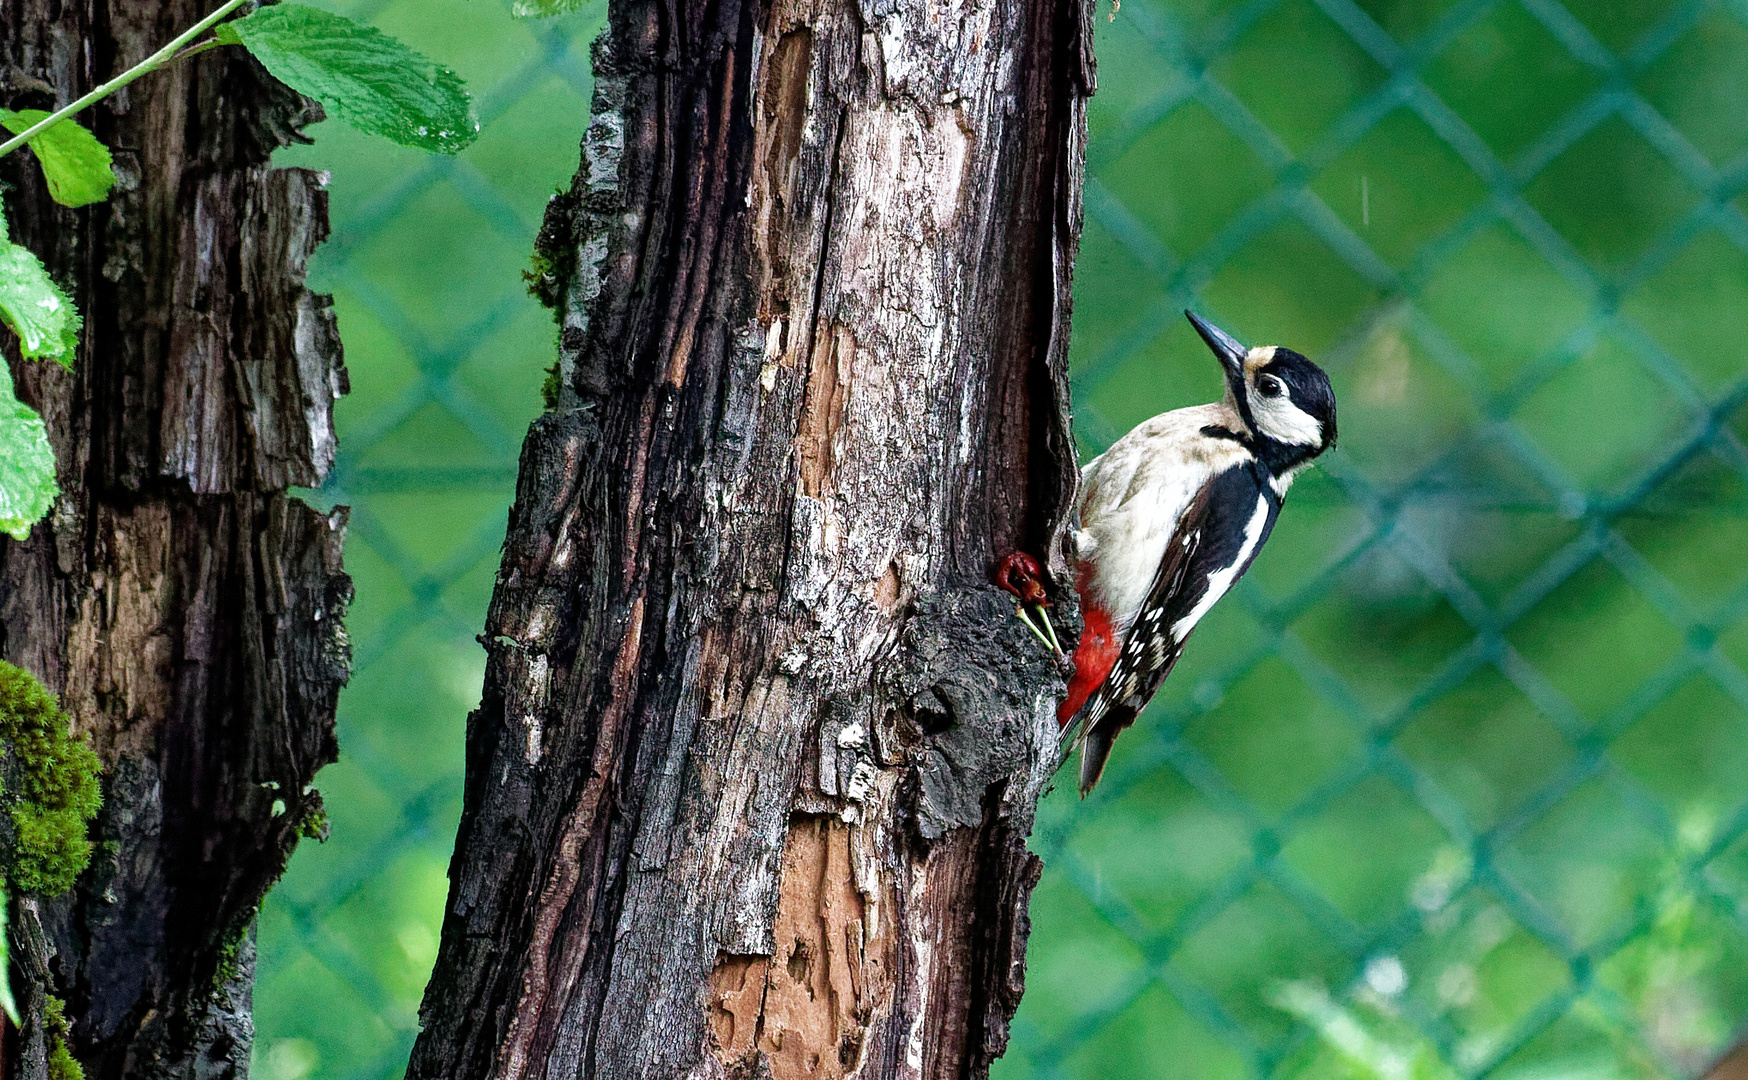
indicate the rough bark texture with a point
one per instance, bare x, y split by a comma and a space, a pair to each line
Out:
749, 788
185, 608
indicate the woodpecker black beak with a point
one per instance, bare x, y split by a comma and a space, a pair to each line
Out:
1226, 349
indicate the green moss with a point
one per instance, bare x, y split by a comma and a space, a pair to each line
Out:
57, 788
7, 1004
314, 825
549, 387
543, 280
62, 1064
226, 962
225, 970
555, 258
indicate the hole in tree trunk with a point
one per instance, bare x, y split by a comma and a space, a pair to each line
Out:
932, 712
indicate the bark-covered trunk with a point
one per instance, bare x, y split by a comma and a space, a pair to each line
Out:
760, 746
185, 608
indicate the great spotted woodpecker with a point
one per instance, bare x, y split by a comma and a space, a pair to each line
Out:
1170, 516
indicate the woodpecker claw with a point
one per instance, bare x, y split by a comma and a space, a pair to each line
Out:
1019, 574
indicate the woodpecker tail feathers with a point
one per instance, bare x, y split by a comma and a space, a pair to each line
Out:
1095, 750
1094, 741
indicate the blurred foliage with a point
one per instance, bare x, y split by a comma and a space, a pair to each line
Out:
1455, 783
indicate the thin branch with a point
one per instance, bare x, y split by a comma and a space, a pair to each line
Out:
144, 67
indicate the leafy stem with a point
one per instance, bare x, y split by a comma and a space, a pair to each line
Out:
144, 67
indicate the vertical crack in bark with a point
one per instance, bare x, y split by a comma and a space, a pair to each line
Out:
636, 481
817, 277
567, 867
710, 208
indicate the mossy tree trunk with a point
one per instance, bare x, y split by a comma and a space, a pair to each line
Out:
184, 607
760, 746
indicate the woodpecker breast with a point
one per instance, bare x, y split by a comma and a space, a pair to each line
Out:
1133, 495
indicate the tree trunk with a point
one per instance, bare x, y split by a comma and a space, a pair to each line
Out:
760, 746
185, 608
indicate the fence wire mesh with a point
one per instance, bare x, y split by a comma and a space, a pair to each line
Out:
1456, 783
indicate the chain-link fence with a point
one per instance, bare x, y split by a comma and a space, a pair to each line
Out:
1456, 783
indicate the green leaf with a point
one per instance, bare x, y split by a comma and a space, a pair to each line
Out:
74, 163
360, 74
27, 464
540, 9
7, 1005
34, 307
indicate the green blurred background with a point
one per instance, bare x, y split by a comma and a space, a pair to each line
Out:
1456, 783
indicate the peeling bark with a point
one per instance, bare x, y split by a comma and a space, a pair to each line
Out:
760, 745
185, 608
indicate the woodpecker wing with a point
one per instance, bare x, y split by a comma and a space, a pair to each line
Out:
1214, 542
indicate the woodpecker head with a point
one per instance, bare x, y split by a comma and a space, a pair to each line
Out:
1284, 398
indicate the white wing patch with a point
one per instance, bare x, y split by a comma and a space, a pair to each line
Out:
1221, 580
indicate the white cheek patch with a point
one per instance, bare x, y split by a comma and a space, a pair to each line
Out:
1283, 421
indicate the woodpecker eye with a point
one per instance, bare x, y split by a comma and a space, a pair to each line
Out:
1269, 386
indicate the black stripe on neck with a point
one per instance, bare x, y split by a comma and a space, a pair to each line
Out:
1279, 457
1272, 454
1215, 431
